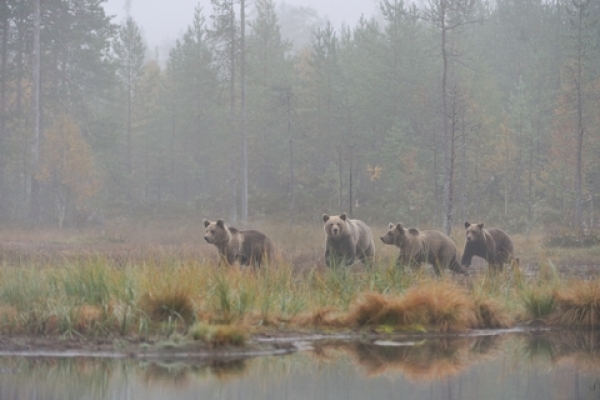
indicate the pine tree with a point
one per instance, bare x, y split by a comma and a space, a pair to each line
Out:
130, 53
224, 35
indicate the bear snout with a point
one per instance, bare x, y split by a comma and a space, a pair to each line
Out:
206, 239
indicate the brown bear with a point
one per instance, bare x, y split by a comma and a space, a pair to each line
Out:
347, 239
417, 247
493, 244
247, 247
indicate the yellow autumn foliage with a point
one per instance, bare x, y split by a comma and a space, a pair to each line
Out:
66, 157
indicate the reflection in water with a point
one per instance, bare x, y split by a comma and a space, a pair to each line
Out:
428, 360
581, 349
556, 365
181, 374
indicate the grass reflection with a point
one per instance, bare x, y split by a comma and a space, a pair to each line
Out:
181, 374
422, 362
425, 360
580, 348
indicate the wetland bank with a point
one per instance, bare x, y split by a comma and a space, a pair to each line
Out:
147, 313
130, 286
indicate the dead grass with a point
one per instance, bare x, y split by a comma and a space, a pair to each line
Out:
326, 317
86, 317
132, 282
441, 306
168, 306
219, 335
577, 305
492, 314
8, 318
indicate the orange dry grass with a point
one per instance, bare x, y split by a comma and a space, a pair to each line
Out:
86, 316
442, 305
175, 304
227, 335
491, 314
8, 318
437, 305
578, 305
322, 317
377, 309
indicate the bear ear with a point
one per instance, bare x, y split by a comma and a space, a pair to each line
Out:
206, 223
392, 226
414, 231
221, 223
480, 225
325, 217
399, 227
467, 224
343, 216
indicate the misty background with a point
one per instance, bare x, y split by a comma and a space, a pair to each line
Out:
427, 113
163, 22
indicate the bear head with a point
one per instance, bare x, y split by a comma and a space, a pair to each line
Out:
473, 232
335, 225
397, 235
216, 232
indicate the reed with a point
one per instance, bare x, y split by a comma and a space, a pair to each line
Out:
539, 302
162, 282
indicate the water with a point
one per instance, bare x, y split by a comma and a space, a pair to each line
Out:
553, 366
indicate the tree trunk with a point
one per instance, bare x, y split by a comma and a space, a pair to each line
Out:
36, 114
3, 110
243, 111
580, 128
288, 101
448, 172
232, 161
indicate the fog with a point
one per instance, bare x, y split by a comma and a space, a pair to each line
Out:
162, 21
410, 115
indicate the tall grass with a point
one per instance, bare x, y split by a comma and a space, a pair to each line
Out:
139, 287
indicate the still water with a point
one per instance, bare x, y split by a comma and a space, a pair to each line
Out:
552, 366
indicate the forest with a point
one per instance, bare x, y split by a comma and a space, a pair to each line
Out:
428, 113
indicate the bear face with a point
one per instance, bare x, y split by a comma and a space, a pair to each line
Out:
216, 233
474, 232
395, 236
335, 226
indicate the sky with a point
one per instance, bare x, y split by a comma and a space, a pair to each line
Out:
164, 21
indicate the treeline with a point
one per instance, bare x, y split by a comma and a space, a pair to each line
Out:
427, 115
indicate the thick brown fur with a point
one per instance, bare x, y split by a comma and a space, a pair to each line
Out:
417, 247
493, 244
347, 239
247, 247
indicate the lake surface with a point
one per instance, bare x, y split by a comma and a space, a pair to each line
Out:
515, 366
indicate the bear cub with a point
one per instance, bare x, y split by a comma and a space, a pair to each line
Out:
347, 239
493, 244
247, 247
417, 247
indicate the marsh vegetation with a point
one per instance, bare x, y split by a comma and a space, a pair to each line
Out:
138, 283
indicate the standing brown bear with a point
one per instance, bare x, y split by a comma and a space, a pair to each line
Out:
493, 244
347, 239
247, 247
417, 247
